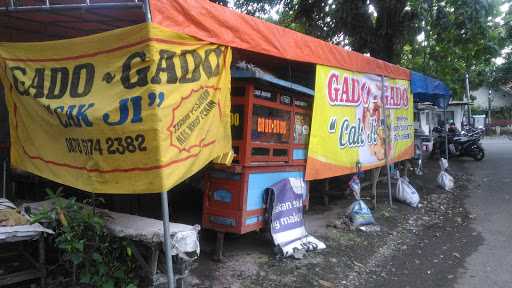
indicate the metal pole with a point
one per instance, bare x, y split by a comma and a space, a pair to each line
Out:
4, 179
167, 240
489, 102
468, 99
147, 11
163, 198
445, 135
386, 139
61, 7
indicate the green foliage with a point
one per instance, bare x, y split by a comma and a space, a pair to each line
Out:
503, 113
345, 22
503, 75
96, 257
460, 36
478, 110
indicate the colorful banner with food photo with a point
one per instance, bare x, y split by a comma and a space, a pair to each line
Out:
348, 122
134, 110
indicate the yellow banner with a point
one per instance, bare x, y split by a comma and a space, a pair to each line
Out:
348, 122
135, 110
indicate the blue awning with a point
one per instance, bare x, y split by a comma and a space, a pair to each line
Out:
427, 89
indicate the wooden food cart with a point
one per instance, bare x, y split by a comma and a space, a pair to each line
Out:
270, 129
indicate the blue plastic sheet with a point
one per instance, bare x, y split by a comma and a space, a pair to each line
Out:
428, 89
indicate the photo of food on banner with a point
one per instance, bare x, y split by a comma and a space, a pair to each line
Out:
372, 116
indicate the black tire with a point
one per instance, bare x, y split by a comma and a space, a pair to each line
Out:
478, 153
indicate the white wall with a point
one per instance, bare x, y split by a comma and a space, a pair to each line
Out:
458, 114
501, 98
424, 121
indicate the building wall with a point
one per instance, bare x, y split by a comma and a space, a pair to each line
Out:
501, 98
422, 121
458, 113
454, 113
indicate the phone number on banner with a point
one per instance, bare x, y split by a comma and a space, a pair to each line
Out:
112, 145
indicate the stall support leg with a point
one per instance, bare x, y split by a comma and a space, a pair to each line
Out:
4, 180
375, 179
153, 265
219, 247
326, 190
42, 260
407, 166
445, 136
167, 240
386, 141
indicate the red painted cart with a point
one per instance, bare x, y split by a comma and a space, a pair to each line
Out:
270, 130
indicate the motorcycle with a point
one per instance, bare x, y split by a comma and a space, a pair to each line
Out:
462, 144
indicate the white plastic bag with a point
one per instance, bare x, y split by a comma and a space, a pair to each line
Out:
406, 193
395, 173
360, 214
355, 185
444, 179
444, 164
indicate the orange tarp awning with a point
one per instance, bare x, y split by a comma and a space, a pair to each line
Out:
199, 18
218, 24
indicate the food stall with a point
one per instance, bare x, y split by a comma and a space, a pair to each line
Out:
429, 93
270, 112
270, 123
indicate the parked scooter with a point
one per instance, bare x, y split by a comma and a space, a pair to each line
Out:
459, 144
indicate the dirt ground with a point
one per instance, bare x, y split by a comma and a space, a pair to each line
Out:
416, 247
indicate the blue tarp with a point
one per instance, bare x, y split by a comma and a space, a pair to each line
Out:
427, 89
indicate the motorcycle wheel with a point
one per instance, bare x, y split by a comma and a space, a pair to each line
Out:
478, 154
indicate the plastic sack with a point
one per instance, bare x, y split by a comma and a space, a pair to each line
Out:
445, 180
395, 173
406, 193
355, 185
444, 164
360, 214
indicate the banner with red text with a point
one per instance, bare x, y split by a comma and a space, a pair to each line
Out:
348, 122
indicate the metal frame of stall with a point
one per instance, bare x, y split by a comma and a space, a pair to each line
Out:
91, 6
426, 89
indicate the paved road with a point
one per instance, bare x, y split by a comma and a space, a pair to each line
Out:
490, 200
